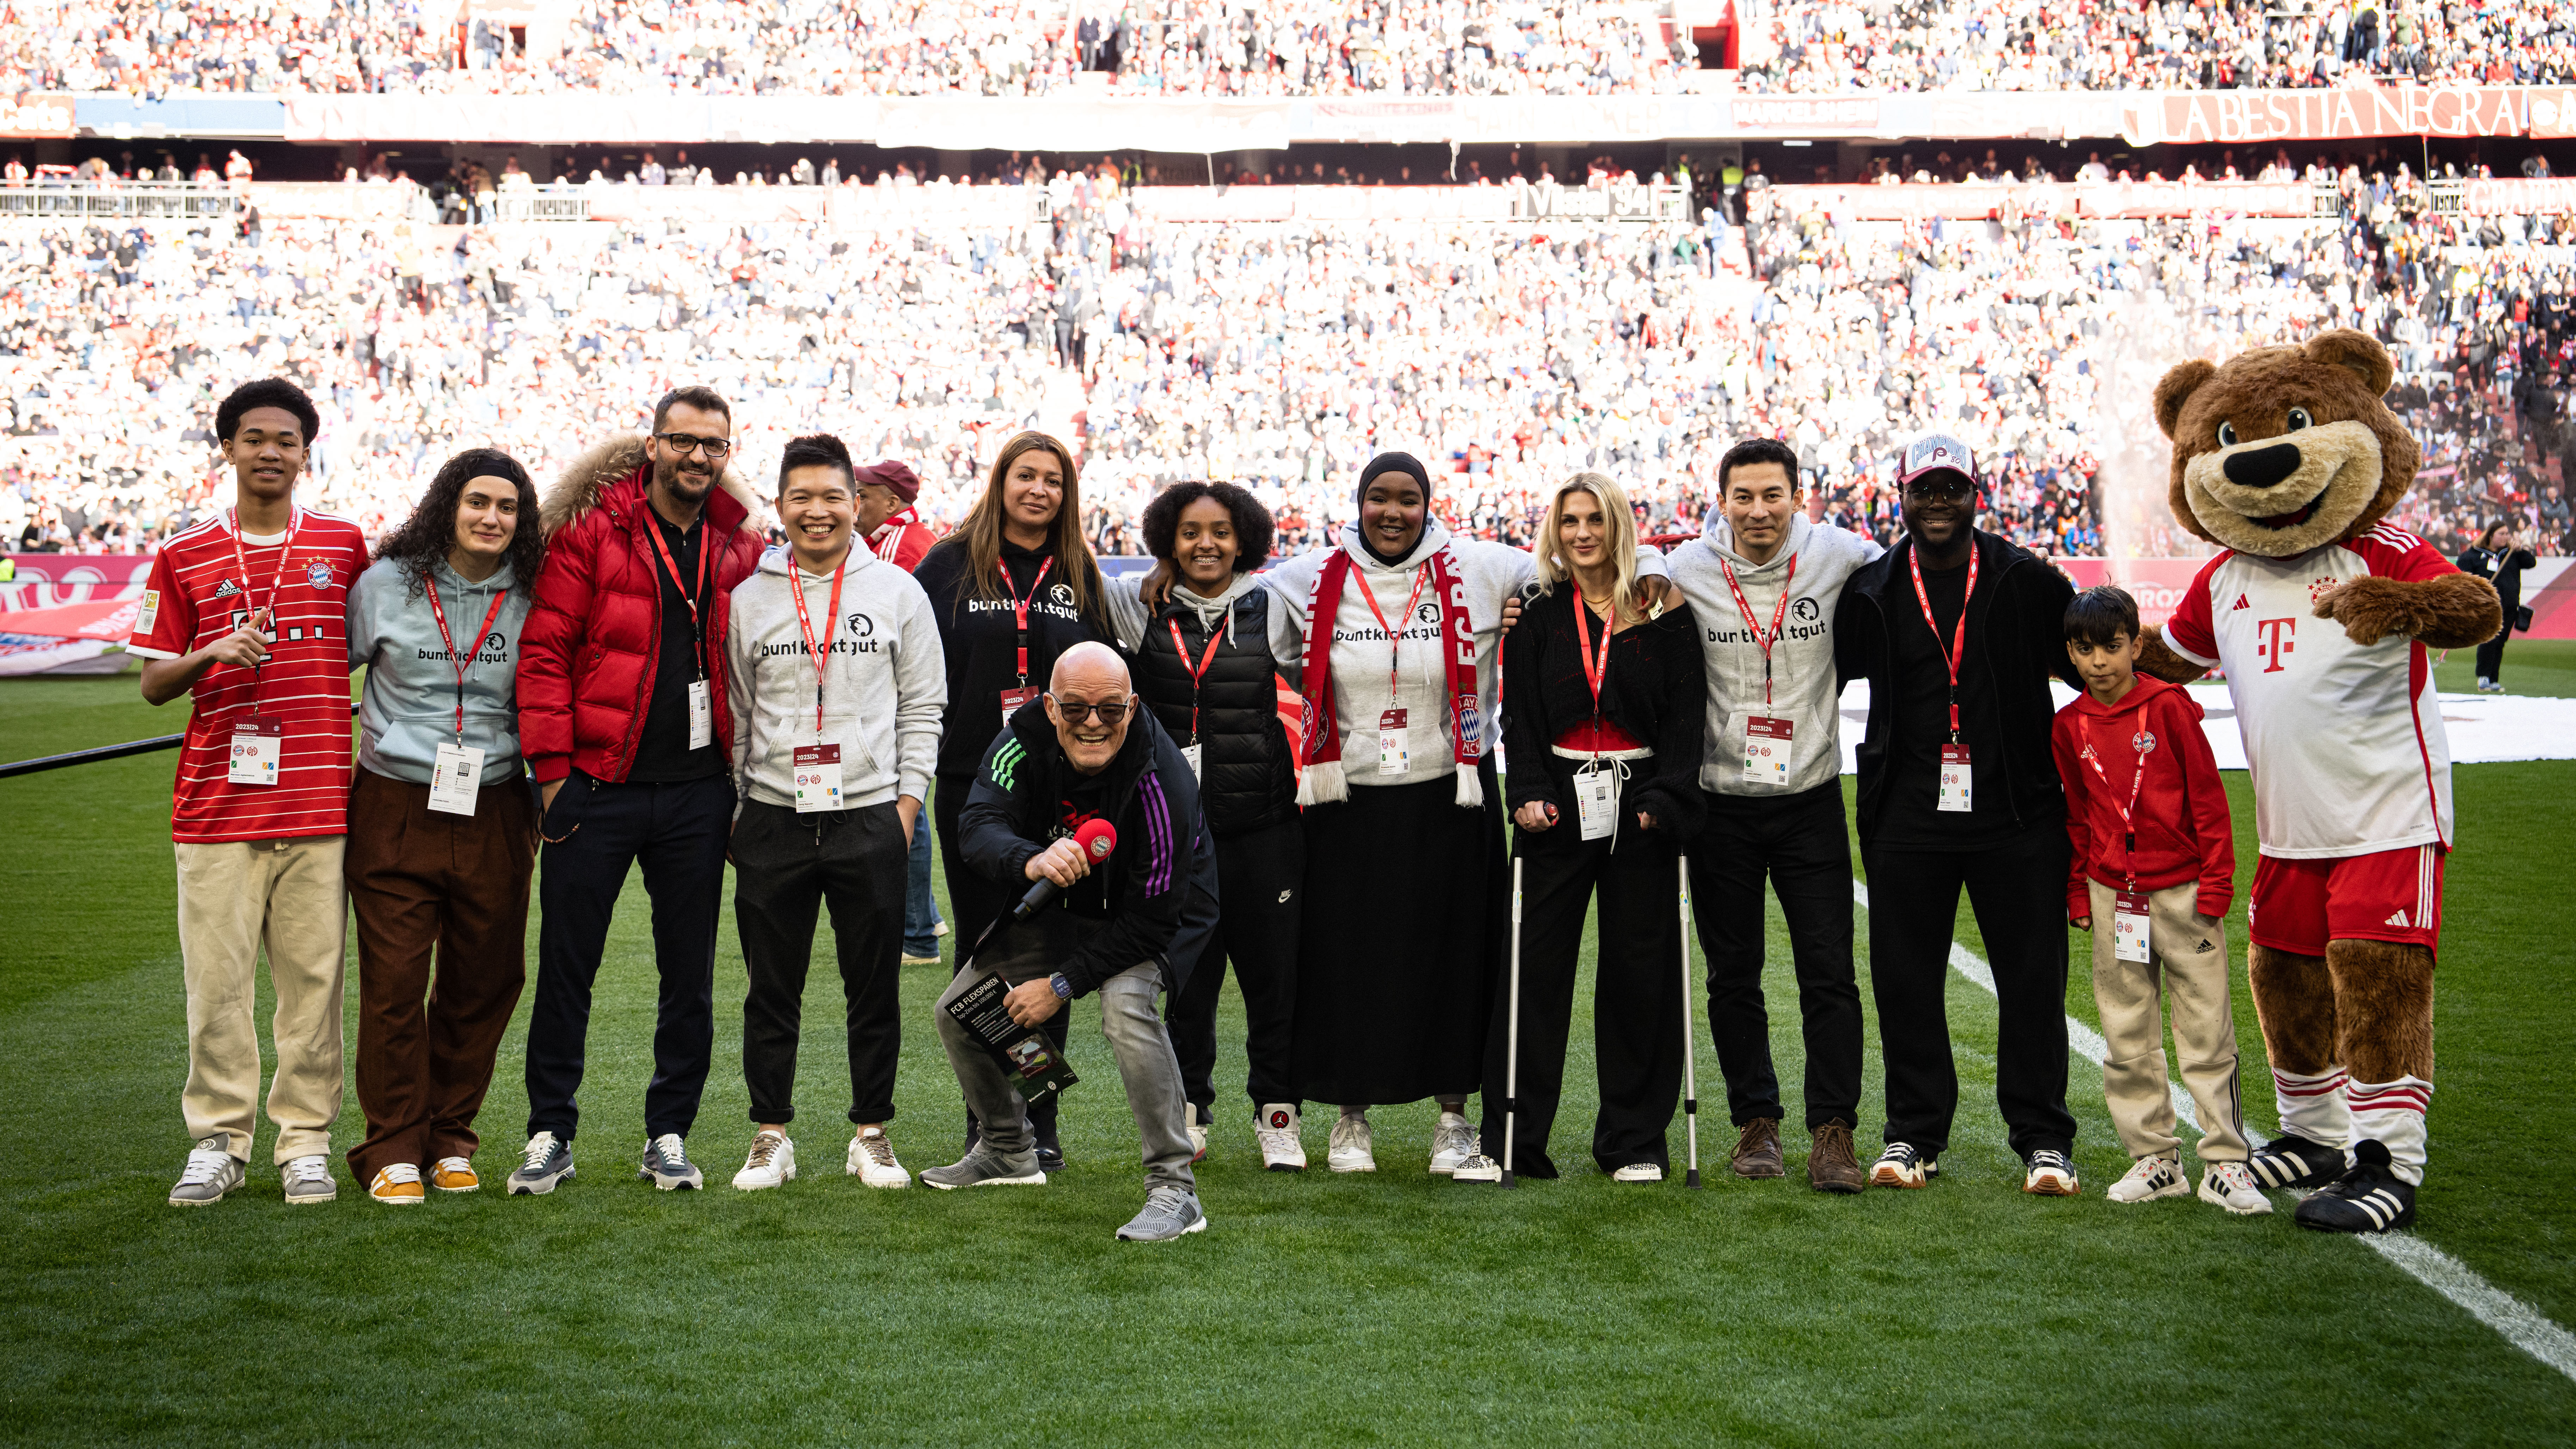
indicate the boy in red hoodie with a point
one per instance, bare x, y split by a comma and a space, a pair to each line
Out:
2154, 871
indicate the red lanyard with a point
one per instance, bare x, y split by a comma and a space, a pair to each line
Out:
706, 546
1421, 576
1197, 671
464, 661
805, 624
1594, 670
2128, 812
277, 585
1778, 613
1020, 613
1958, 636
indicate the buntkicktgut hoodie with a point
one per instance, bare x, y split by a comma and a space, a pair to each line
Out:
1492, 573
408, 707
883, 694
1803, 683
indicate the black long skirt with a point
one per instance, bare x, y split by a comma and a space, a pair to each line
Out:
1406, 895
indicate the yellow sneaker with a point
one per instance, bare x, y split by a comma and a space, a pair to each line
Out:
397, 1186
454, 1174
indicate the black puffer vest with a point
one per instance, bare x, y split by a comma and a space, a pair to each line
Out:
1246, 778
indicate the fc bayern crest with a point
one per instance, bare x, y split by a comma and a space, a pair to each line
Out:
2144, 740
318, 574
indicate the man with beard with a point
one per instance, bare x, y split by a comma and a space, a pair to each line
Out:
623, 720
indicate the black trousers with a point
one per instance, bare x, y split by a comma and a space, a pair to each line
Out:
786, 866
973, 902
1798, 842
1637, 997
2491, 653
2018, 891
595, 833
1258, 876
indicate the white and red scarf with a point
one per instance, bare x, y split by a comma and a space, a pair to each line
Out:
889, 535
1321, 725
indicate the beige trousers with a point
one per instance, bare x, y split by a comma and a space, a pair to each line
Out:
2190, 968
235, 897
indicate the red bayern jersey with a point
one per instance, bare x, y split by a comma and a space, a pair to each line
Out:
196, 596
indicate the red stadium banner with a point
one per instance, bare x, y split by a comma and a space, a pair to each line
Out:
2517, 198
34, 116
2347, 113
52, 580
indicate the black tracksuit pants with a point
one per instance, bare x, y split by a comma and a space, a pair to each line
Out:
596, 832
2018, 891
973, 902
786, 866
1637, 1001
1800, 843
1258, 876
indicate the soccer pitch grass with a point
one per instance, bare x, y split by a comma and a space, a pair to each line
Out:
1389, 1308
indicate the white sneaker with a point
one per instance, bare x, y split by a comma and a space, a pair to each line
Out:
1452, 1142
1638, 1172
2229, 1185
772, 1163
2150, 1178
308, 1179
1477, 1168
1282, 1149
211, 1172
871, 1161
1352, 1150
1198, 1136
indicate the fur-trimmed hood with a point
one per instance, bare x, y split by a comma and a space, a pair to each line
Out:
586, 481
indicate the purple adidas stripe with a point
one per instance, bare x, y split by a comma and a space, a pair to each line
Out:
1158, 834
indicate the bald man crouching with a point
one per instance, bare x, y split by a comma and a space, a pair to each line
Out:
1083, 751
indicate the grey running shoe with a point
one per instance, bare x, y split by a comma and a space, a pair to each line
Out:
548, 1161
984, 1167
308, 1179
212, 1171
1169, 1213
667, 1165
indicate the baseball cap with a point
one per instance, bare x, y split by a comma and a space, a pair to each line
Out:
1936, 453
891, 475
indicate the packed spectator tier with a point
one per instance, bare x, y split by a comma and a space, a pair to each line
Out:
1280, 47
1278, 354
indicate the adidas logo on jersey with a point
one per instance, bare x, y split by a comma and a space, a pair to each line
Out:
2241, 603
226, 589
2398, 919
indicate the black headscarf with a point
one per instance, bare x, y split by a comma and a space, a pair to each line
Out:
1393, 463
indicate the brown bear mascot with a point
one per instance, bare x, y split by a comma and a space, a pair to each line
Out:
2322, 616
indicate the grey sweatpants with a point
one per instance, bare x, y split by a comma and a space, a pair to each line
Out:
1146, 1063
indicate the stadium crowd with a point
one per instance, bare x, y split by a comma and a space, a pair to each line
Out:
1278, 355
1299, 47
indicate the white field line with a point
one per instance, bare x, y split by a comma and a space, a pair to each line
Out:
2522, 1325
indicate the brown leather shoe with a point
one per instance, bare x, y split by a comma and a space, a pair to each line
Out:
1757, 1151
1831, 1167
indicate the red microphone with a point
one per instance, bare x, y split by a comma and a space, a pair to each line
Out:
1097, 838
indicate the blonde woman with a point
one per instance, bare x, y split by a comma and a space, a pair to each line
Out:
1604, 709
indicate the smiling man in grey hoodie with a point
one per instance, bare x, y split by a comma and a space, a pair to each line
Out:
1762, 581
837, 685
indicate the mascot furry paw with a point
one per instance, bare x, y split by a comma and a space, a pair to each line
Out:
2321, 615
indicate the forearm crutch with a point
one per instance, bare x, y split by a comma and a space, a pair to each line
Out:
1690, 1038
1512, 1039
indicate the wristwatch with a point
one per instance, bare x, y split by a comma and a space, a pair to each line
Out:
1063, 988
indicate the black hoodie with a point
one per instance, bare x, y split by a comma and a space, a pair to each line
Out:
980, 638
1130, 907
2016, 641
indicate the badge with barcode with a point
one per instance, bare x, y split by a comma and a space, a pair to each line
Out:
818, 778
2129, 927
1768, 749
702, 716
456, 779
1393, 755
1596, 801
259, 747
1954, 778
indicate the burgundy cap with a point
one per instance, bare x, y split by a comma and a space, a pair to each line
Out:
893, 475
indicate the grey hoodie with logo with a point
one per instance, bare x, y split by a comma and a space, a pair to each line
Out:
408, 706
1803, 686
884, 697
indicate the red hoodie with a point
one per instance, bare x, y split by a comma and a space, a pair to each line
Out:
2181, 817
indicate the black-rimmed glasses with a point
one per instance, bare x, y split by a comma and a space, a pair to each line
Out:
717, 449
1075, 711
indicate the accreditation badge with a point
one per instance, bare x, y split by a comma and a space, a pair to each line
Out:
1393, 755
456, 779
2129, 927
259, 746
1596, 801
1768, 748
1954, 778
1192, 753
702, 716
818, 778
1012, 699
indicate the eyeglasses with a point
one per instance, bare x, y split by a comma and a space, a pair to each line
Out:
717, 449
1948, 489
1075, 711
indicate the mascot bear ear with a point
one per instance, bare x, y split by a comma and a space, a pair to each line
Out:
2176, 389
2358, 353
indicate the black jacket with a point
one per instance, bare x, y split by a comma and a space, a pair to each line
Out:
1130, 907
2504, 570
1247, 775
1655, 688
980, 638
2016, 641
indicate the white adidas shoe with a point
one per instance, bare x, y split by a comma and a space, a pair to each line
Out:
871, 1161
1282, 1148
1638, 1172
2150, 1178
212, 1171
1453, 1141
2231, 1186
772, 1163
1352, 1149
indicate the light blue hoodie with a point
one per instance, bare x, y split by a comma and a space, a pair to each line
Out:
408, 708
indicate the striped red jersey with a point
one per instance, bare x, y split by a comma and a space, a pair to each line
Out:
196, 596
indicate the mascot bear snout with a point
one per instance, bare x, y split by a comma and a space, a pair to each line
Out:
2263, 467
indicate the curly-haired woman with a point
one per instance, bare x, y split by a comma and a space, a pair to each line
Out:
442, 828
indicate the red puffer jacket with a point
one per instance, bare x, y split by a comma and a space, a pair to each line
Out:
594, 634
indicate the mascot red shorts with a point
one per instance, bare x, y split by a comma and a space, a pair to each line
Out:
2388, 895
